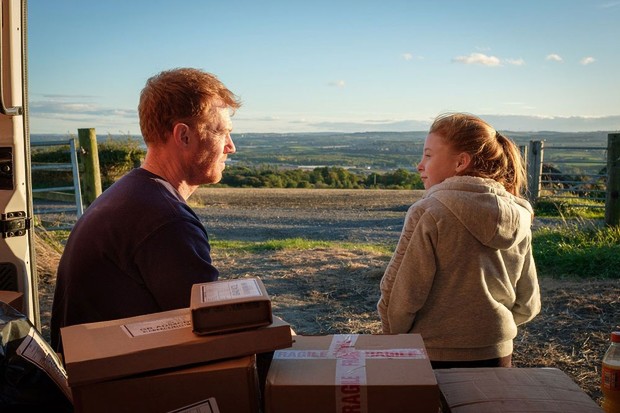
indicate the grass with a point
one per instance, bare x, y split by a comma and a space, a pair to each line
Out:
570, 208
298, 244
582, 253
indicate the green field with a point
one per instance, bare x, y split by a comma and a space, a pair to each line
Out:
334, 160
367, 151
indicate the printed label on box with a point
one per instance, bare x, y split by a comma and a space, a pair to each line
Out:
220, 291
205, 406
35, 350
157, 326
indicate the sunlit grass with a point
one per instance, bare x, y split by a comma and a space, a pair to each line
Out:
299, 244
570, 208
583, 253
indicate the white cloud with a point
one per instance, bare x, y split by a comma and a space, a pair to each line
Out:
410, 56
337, 83
609, 4
515, 62
587, 60
257, 118
554, 57
478, 59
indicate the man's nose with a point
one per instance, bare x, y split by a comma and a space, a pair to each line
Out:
230, 146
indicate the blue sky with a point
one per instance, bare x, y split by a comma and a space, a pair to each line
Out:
312, 66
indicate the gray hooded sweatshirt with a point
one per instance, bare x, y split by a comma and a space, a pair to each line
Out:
462, 275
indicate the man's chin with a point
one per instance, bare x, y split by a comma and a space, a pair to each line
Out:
211, 179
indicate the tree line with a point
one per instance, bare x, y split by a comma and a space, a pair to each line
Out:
320, 177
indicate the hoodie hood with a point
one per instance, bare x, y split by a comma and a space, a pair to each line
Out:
491, 214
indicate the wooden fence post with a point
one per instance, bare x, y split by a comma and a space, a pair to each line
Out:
612, 204
523, 149
534, 169
91, 175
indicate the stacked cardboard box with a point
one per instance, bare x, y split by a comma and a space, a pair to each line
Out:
225, 386
12, 298
482, 390
230, 305
157, 363
352, 373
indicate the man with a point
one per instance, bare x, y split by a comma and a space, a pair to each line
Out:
139, 247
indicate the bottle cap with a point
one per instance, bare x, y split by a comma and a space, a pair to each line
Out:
615, 337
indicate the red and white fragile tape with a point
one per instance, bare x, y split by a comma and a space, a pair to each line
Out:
350, 377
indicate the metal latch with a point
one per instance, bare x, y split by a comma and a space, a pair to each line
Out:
14, 224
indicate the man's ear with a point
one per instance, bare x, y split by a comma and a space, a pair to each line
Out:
180, 134
463, 161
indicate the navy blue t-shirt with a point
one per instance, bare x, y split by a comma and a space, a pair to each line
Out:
137, 249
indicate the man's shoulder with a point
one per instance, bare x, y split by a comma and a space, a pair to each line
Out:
139, 185
139, 196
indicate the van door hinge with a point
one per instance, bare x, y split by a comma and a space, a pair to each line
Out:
14, 224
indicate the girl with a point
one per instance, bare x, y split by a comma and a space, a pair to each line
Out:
463, 275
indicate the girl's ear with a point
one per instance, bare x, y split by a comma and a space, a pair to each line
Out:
463, 161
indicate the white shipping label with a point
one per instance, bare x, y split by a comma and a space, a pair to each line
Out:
157, 326
34, 349
205, 406
228, 290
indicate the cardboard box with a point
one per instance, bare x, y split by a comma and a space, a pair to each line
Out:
230, 305
481, 390
224, 386
352, 373
13, 298
102, 351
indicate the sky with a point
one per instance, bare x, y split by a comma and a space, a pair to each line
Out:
331, 66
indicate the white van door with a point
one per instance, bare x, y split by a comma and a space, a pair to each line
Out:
17, 258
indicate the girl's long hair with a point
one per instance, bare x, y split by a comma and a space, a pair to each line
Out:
493, 155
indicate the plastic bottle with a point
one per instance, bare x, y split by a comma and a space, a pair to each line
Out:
610, 378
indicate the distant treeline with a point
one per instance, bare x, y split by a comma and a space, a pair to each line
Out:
118, 157
320, 177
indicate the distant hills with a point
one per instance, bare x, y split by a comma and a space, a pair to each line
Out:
516, 123
555, 123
